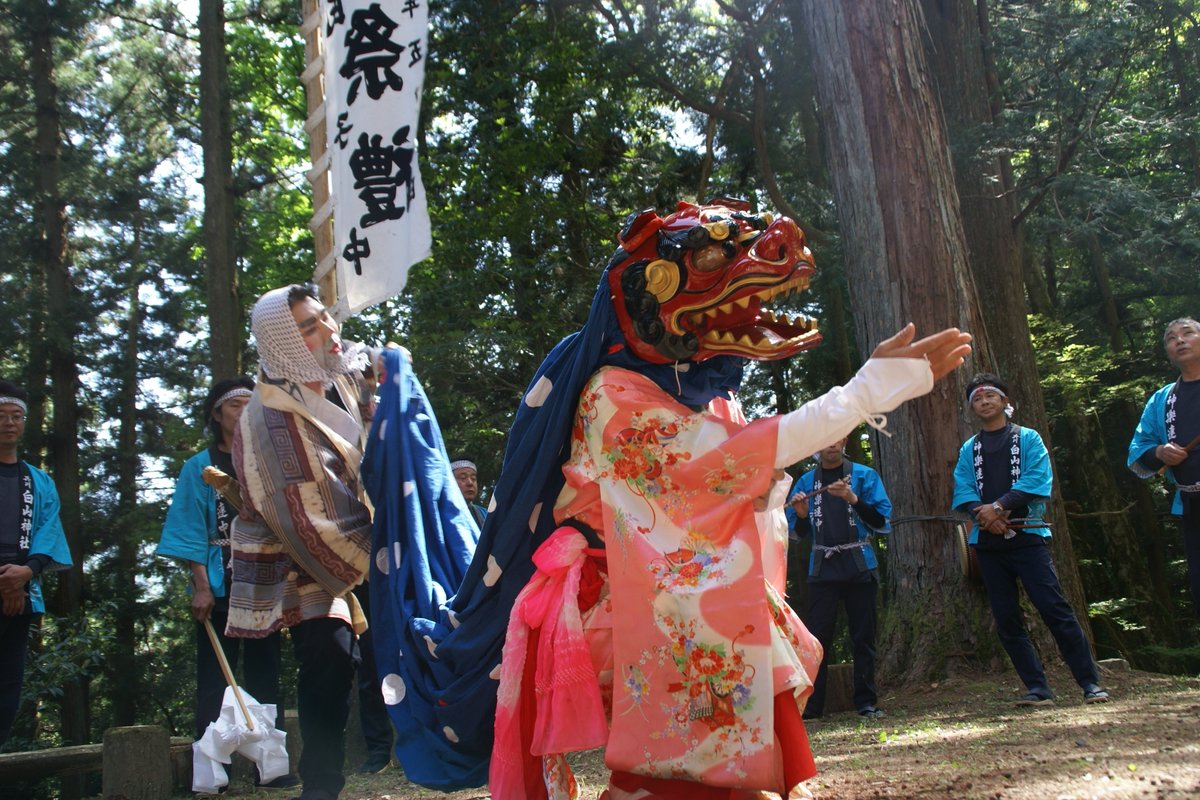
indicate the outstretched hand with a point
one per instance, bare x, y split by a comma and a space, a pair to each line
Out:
945, 350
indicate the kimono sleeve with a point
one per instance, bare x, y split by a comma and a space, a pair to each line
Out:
1151, 431
48, 537
191, 516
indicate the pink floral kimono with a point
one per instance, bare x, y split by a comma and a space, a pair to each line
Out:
669, 645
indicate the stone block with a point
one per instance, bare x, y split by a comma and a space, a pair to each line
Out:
136, 763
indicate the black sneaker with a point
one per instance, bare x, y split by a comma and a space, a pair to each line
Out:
1034, 700
374, 765
1094, 694
870, 712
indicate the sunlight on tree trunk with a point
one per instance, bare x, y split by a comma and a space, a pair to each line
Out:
906, 261
995, 242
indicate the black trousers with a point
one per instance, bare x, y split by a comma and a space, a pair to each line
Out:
372, 711
1191, 546
1033, 567
328, 655
260, 667
824, 599
14, 640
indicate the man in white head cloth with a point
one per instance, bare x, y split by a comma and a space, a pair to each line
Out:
1003, 479
467, 477
302, 539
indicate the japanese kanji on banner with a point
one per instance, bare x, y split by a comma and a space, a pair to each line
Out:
374, 68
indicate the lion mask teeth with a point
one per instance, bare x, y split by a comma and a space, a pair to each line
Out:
698, 283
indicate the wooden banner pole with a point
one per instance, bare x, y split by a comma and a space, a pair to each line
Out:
321, 224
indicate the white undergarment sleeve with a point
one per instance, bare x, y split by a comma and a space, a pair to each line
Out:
777, 497
880, 385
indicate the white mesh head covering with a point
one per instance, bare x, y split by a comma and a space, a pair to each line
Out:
281, 349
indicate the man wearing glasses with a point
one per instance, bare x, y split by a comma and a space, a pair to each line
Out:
31, 542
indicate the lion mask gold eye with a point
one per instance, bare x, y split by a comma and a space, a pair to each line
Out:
711, 258
662, 279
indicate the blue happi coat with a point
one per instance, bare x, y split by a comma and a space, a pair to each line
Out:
1036, 478
191, 522
1151, 432
47, 536
866, 484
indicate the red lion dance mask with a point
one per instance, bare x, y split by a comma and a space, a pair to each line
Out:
698, 283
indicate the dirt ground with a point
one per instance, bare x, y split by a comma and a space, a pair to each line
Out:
964, 739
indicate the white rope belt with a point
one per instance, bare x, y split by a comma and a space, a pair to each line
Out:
837, 548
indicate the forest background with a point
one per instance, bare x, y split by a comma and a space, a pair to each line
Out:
1028, 171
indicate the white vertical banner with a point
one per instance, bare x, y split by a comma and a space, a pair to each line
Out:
374, 69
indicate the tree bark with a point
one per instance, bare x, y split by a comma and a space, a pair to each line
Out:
61, 327
906, 256
1111, 315
123, 660
995, 241
224, 307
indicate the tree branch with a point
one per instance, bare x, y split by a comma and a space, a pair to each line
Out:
1068, 153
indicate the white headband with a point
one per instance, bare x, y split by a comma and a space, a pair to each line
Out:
462, 463
987, 387
14, 401
240, 391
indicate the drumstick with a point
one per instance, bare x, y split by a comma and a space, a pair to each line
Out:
1189, 448
810, 495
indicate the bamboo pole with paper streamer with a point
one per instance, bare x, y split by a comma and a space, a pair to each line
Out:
227, 672
251, 733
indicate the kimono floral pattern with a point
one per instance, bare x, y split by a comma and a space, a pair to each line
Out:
689, 568
714, 687
700, 644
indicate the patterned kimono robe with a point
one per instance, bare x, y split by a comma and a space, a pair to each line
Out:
689, 641
302, 540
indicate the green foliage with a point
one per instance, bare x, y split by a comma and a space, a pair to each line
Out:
1173, 660
543, 126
